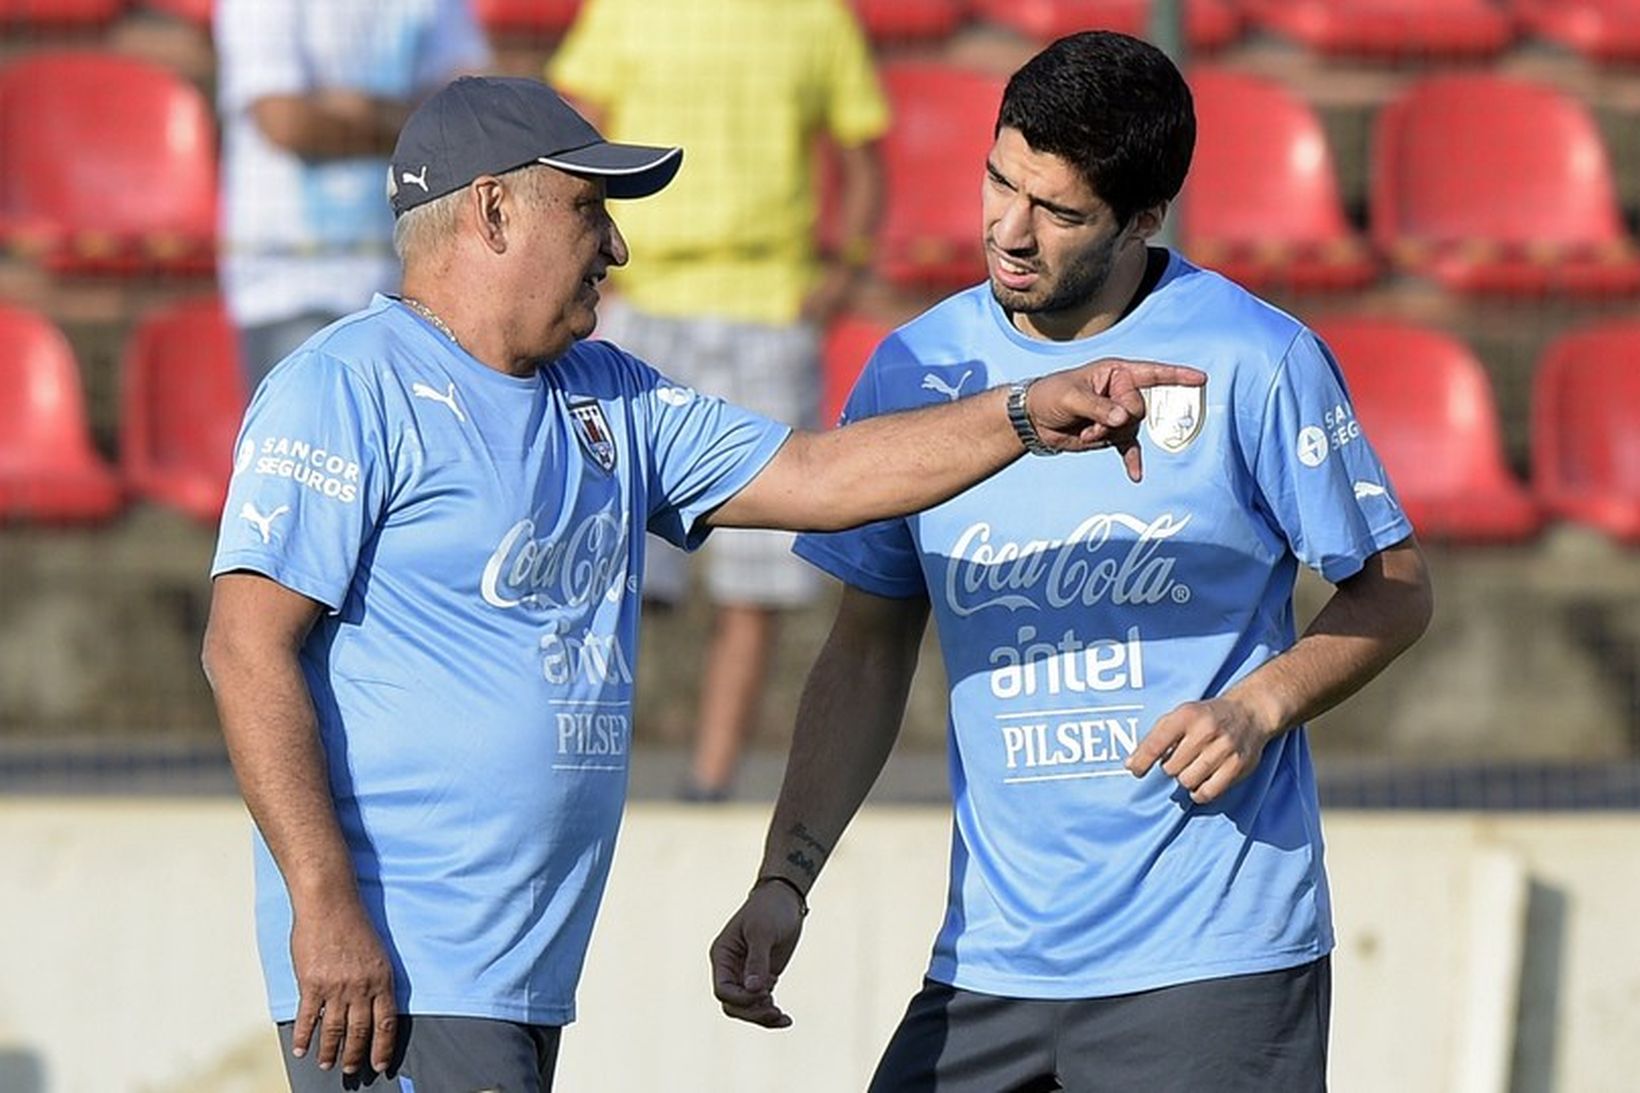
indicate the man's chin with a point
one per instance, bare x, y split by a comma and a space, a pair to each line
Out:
1013, 300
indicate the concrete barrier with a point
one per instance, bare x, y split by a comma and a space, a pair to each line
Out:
1476, 952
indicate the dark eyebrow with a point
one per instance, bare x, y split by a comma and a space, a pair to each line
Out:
1041, 203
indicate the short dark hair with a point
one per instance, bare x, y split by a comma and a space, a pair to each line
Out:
1114, 107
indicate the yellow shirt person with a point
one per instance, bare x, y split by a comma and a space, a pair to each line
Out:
745, 86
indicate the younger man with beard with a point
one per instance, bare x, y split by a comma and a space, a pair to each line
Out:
1137, 899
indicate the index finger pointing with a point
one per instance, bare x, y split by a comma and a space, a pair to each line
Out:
1152, 374
1162, 736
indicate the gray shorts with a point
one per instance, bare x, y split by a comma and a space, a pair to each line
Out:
441, 1055
1243, 1034
772, 370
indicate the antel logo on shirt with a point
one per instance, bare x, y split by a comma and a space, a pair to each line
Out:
1110, 557
570, 571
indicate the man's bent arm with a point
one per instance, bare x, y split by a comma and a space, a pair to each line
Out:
1371, 618
905, 462
847, 721
252, 643
333, 124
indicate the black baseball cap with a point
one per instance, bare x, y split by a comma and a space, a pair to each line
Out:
487, 125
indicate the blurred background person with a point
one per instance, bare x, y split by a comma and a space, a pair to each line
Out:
312, 95
732, 291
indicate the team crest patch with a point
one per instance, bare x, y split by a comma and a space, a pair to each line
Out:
593, 430
1174, 415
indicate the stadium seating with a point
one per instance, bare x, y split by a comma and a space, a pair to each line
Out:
1493, 184
58, 14
1602, 30
1426, 404
850, 341
1586, 428
530, 18
110, 165
197, 12
1209, 24
1262, 204
909, 20
183, 396
934, 159
1389, 29
49, 471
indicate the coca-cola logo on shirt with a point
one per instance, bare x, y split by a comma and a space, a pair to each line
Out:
1110, 557
571, 570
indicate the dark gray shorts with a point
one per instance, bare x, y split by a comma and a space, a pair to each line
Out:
1242, 1034
441, 1055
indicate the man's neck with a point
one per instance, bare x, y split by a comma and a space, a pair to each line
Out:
468, 319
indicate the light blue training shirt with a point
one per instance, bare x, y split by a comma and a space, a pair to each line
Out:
478, 540
1075, 608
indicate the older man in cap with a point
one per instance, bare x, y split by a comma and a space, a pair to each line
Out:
424, 618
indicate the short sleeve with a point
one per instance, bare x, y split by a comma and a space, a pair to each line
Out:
454, 45
587, 65
309, 479
856, 111
882, 557
259, 52
1317, 473
703, 451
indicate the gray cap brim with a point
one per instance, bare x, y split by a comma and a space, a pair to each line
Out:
628, 170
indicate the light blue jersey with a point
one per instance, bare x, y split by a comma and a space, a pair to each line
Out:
478, 539
1076, 608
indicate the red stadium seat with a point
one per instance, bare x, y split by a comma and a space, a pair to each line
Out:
1427, 406
1492, 184
1389, 29
1603, 30
533, 18
1586, 429
1262, 204
58, 14
183, 396
48, 469
197, 12
110, 165
850, 341
909, 20
1209, 24
934, 157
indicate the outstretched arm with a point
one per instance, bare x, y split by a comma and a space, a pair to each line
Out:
1370, 620
901, 463
847, 722
252, 640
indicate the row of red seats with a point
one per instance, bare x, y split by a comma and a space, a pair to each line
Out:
181, 399
1607, 30
1485, 183
1427, 404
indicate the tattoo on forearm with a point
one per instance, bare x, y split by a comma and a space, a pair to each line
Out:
809, 863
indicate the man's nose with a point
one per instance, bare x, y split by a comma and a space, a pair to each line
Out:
1012, 230
616, 247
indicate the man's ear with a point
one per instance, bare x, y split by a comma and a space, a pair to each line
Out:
1147, 222
489, 211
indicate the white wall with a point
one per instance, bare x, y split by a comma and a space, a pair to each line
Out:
127, 963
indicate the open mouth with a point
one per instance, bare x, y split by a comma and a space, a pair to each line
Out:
1012, 273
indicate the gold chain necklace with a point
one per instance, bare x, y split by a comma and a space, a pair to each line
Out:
431, 316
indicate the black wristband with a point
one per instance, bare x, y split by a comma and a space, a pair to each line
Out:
776, 878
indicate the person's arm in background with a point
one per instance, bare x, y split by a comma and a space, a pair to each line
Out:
847, 721
860, 209
252, 641
334, 123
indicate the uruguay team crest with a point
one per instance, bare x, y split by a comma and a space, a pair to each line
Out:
593, 430
1174, 415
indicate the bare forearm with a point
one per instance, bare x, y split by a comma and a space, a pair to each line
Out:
880, 467
847, 721
331, 126
1370, 620
272, 736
